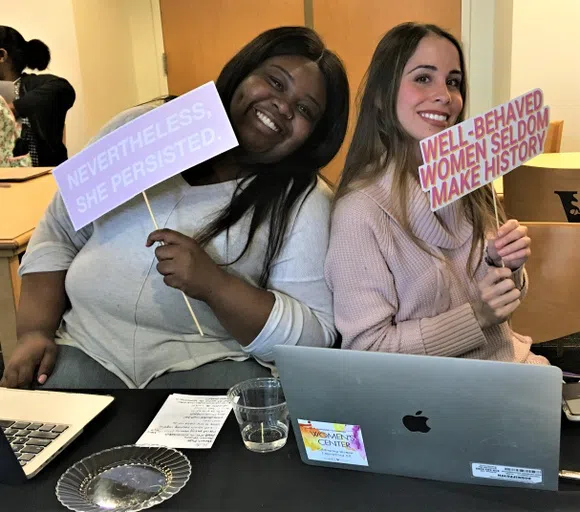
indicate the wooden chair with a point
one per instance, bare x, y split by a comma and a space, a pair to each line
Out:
551, 308
545, 189
554, 137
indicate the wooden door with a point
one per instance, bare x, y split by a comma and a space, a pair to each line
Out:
353, 28
200, 36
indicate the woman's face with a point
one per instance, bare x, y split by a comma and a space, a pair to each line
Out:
276, 108
429, 98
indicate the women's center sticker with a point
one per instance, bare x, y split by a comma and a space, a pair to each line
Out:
333, 442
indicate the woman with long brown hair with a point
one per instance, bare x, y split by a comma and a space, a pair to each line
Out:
406, 279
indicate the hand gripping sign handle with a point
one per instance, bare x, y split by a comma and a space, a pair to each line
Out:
183, 294
496, 216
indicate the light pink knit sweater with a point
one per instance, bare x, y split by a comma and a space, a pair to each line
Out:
391, 296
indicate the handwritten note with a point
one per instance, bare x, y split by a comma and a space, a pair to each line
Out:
187, 421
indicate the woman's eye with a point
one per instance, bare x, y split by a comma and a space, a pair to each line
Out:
305, 111
276, 83
422, 79
454, 82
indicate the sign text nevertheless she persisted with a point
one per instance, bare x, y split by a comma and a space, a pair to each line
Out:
144, 152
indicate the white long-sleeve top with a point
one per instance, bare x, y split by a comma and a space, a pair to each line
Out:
125, 317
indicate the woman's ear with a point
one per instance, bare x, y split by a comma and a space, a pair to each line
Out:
3, 55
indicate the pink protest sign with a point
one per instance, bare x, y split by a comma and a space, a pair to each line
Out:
471, 154
157, 145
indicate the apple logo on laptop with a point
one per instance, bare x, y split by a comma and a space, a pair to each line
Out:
416, 423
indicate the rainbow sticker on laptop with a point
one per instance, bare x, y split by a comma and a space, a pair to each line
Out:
333, 442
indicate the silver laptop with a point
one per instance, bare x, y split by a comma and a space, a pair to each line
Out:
458, 420
35, 426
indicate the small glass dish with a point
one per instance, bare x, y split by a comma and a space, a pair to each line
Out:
123, 479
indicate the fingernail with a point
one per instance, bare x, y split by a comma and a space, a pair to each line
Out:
42, 379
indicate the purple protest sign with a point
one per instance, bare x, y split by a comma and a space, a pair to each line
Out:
157, 145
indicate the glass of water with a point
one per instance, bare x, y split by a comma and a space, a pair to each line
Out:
261, 411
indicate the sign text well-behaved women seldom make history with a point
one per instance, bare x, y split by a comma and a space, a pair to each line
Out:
146, 151
471, 154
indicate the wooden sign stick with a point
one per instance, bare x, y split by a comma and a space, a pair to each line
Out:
183, 294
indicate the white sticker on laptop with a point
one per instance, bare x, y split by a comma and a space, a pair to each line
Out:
507, 473
333, 442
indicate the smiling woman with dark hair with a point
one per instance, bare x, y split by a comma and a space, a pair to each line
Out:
245, 235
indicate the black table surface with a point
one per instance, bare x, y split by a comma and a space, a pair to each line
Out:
230, 478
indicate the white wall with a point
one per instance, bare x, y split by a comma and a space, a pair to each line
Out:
477, 23
478, 18
545, 46
501, 67
533, 43
53, 22
513, 46
106, 59
147, 45
120, 56
109, 50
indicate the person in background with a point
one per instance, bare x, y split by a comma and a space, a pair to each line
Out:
406, 279
41, 101
9, 134
244, 236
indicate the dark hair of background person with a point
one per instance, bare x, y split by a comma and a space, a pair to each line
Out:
33, 54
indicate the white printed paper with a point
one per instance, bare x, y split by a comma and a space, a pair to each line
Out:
507, 473
187, 421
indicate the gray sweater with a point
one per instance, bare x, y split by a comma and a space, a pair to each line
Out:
125, 317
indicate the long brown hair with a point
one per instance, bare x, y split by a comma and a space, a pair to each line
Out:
380, 142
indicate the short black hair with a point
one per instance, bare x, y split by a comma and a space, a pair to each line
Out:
33, 54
